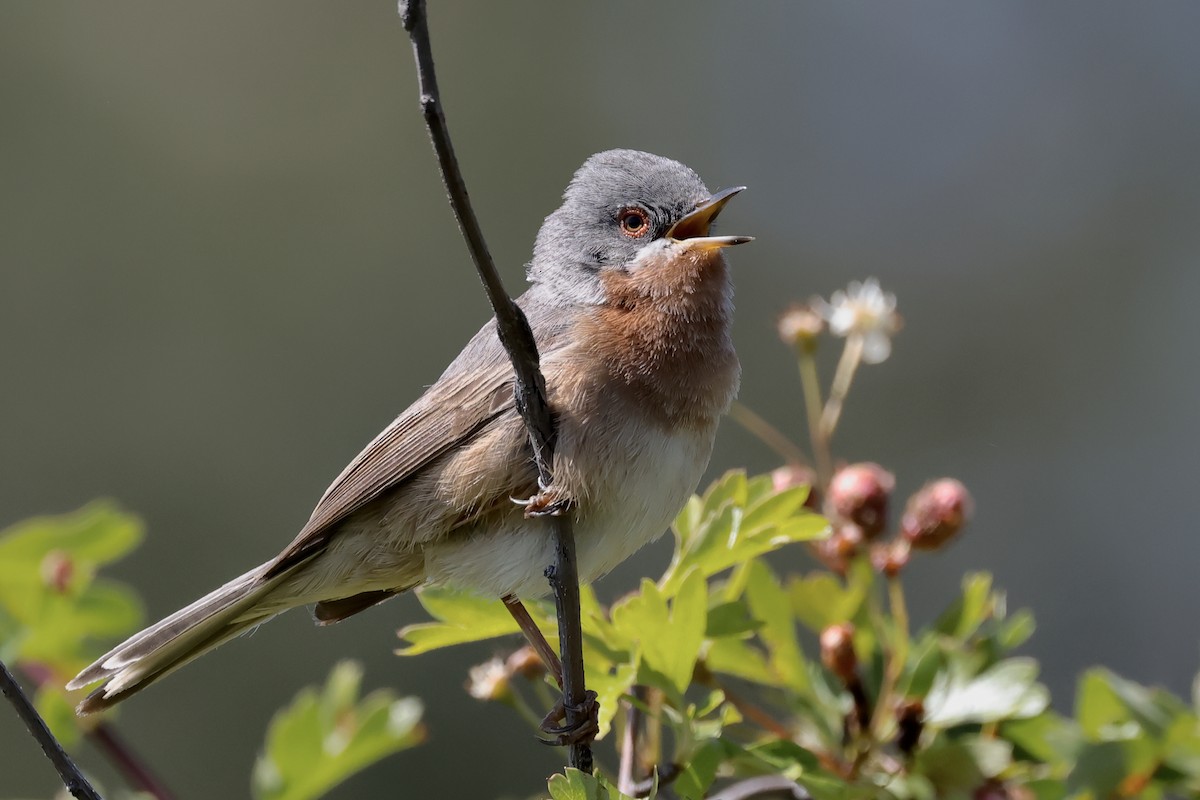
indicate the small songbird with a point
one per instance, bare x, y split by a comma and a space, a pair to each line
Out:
630, 305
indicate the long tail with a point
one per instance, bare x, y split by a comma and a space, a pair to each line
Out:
187, 634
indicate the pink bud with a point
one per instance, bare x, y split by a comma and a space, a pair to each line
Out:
859, 493
890, 558
936, 513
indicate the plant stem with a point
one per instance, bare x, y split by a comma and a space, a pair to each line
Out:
810, 380
896, 658
842, 378
72, 778
118, 752
767, 433
529, 386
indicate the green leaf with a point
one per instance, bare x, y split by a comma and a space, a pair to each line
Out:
609, 686
58, 712
740, 659
1006, 690
961, 765
820, 599
730, 619
1102, 766
575, 785
769, 605
462, 617
324, 737
1048, 738
701, 770
735, 521
970, 611
669, 642
96, 534
1016, 630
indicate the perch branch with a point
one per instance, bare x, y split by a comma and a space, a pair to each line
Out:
529, 387
72, 778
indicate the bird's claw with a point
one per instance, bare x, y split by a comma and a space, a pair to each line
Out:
585, 729
546, 503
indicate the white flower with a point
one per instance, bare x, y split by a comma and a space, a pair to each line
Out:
489, 680
864, 309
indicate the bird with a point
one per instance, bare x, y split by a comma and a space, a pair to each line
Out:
631, 303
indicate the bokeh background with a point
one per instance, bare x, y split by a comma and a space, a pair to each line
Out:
226, 262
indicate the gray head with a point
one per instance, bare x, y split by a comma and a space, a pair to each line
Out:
621, 206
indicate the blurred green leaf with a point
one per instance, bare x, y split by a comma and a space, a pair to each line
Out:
740, 659
1047, 737
967, 613
94, 535
58, 712
1101, 767
324, 737
1006, 690
821, 599
701, 770
730, 619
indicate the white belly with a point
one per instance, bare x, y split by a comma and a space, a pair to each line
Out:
649, 477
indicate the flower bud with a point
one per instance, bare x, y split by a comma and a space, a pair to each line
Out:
800, 326
859, 493
890, 558
837, 652
57, 569
526, 663
489, 681
828, 552
935, 514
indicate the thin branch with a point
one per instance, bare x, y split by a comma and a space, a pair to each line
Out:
767, 433
128, 763
72, 778
530, 387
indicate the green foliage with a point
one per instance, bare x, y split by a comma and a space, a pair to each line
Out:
327, 735
55, 613
719, 646
56, 616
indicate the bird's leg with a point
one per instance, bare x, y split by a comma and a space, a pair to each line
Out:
546, 503
534, 636
590, 709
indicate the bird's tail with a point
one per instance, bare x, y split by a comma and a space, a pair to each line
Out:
166, 646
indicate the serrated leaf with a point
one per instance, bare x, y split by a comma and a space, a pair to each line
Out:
769, 605
462, 617
740, 659
732, 524
324, 737
575, 785
669, 639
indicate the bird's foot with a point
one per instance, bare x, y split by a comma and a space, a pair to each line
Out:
546, 503
563, 734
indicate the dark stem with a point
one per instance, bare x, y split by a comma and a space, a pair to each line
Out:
72, 778
118, 752
529, 386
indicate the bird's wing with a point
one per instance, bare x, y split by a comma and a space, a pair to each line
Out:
474, 392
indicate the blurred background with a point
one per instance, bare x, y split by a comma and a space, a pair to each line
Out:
203, 206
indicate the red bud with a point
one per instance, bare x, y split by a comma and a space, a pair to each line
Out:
859, 493
936, 514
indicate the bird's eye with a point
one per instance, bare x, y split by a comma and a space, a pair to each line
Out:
635, 222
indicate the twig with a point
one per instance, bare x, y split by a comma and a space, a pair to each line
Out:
762, 786
118, 752
767, 433
630, 768
72, 778
530, 387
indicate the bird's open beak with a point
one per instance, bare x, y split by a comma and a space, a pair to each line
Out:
692, 230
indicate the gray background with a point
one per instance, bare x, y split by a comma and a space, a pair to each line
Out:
226, 262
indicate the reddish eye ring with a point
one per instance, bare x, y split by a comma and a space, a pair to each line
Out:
635, 222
